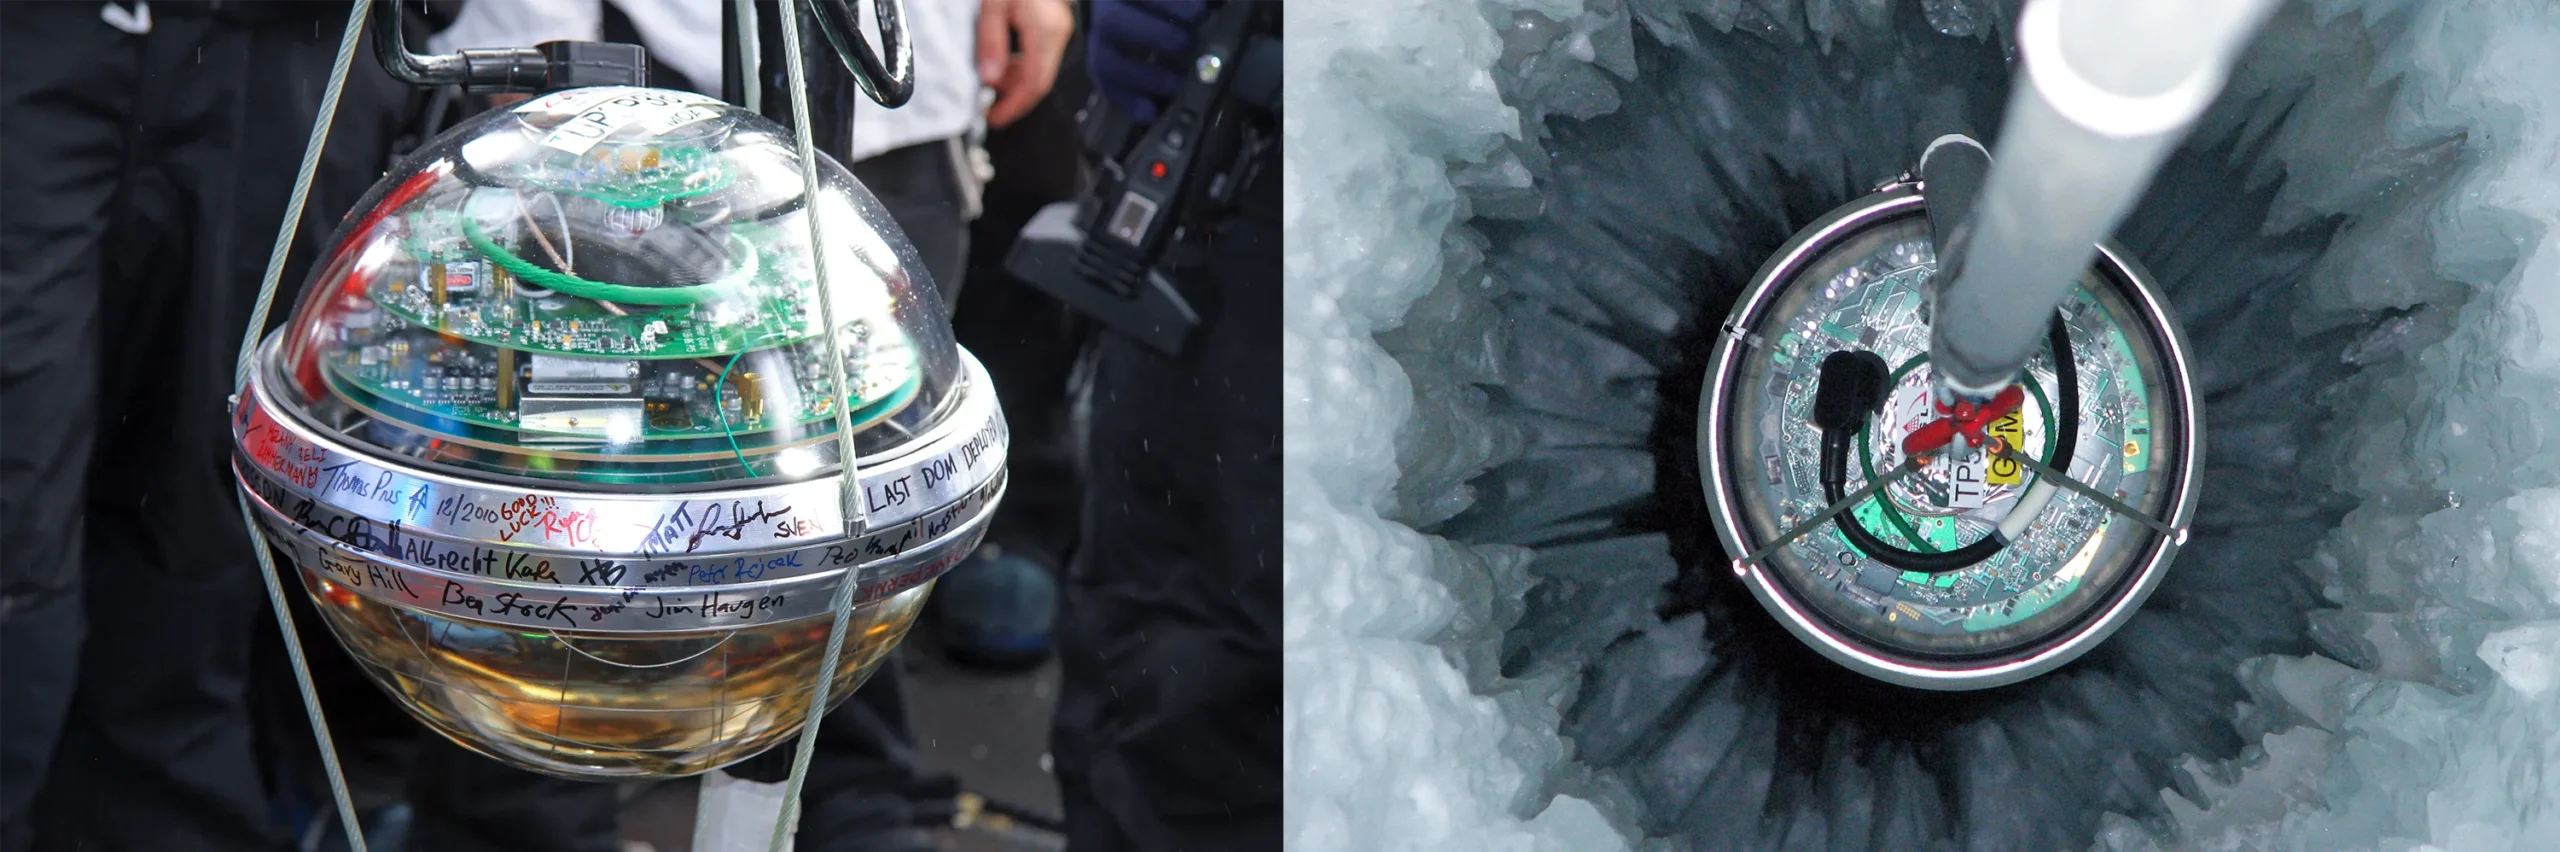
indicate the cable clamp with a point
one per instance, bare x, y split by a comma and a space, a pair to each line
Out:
1734, 330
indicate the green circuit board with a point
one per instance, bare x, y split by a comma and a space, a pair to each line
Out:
607, 295
458, 291
781, 389
632, 176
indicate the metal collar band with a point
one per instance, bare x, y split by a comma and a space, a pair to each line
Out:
611, 562
946, 465
621, 609
537, 566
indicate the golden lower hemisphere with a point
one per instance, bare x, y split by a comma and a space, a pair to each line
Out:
600, 705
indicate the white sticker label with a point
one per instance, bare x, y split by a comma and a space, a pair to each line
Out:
653, 111
660, 123
567, 102
1966, 471
1958, 479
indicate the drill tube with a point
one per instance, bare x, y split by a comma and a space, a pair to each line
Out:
2108, 90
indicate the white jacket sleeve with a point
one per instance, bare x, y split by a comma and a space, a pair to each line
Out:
520, 23
684, 34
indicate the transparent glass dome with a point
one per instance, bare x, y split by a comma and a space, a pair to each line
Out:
615, 287
1860, 280
551, 439
606, 706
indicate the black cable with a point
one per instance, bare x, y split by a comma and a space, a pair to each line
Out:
889, 83
515, 69
1851, 390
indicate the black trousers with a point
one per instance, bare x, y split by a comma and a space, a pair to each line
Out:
1029, 342
1168, 728
920, 185
144, 181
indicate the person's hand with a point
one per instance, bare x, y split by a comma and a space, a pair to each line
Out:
1021, 80
1140, 50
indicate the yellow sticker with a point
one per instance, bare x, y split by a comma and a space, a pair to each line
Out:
2011, 430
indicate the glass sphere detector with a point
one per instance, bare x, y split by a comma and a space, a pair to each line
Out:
1858, 280
551, 437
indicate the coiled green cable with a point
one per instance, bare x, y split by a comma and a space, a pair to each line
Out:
720, 407
600, 291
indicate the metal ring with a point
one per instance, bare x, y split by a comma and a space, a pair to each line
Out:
535, 565
2138, 291
636, 609
955, 458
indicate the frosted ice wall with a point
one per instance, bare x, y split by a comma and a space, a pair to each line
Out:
1389, 742
1496, 313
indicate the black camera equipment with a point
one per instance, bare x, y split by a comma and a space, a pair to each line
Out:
1126, 254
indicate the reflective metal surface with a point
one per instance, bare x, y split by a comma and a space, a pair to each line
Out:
1858, 279
551, 438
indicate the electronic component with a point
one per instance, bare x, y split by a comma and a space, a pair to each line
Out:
1128, 253
505, 379
505, 438
751, 396
610, 296
1974, 571
561, 374
616, 419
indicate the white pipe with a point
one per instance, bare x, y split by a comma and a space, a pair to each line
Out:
732, 814
2109, 88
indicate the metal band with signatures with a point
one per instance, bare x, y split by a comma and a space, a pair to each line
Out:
626, 609
400, 543
952, 461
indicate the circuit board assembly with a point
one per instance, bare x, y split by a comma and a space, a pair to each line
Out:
1876, 301
606, 298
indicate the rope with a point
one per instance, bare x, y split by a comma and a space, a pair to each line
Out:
855, 521
240, 381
